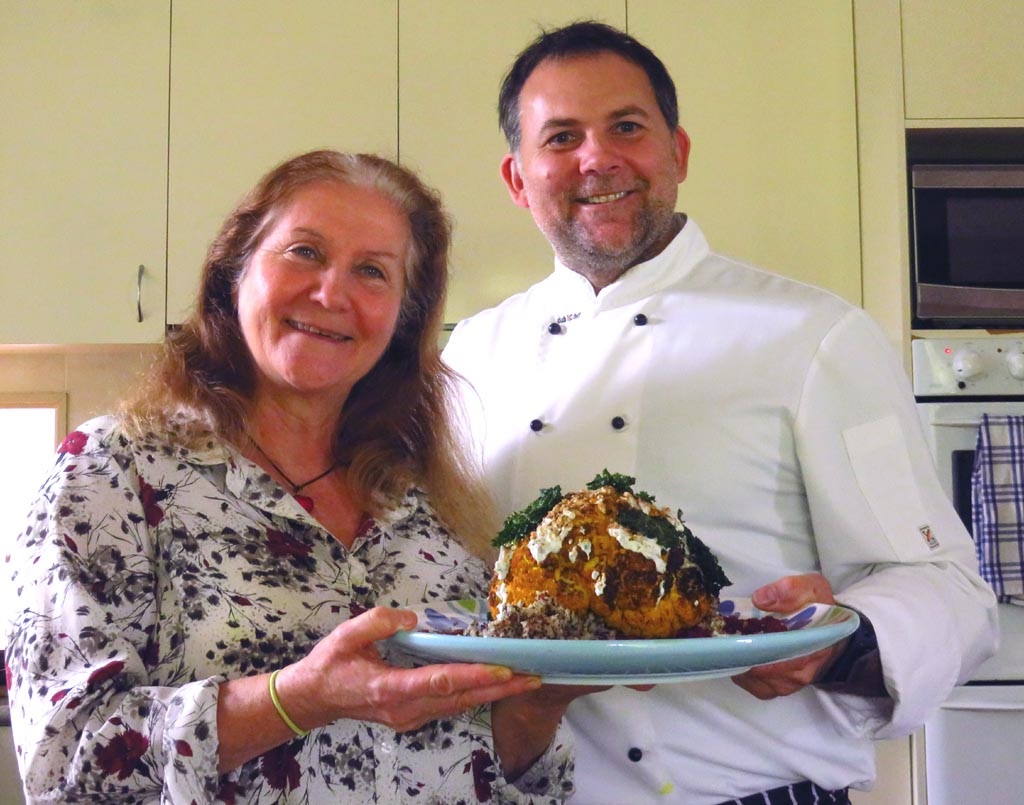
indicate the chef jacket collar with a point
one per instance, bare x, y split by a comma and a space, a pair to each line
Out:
676, 260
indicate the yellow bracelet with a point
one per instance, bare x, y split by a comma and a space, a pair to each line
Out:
280, 709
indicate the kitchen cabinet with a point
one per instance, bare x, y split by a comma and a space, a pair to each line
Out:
136, 133
894, 784
882, 154
448, 130
963, 60
254, 83
767, 94
83, 161
10, 780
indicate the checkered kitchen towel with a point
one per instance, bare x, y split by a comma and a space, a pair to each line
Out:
997, 504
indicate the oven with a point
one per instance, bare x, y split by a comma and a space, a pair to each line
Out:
972, 744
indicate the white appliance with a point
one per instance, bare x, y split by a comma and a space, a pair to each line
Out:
973, 743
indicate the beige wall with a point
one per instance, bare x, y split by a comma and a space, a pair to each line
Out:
92, 378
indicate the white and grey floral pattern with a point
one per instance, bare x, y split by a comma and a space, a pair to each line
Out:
149, 573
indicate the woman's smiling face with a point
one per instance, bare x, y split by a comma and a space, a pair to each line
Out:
319, 300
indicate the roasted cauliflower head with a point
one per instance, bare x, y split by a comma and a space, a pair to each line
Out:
609, 551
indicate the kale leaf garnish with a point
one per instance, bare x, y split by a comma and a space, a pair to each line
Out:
522, 522
657, 528
620, 483
702, 556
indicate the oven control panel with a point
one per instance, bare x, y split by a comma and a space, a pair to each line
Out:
986, 365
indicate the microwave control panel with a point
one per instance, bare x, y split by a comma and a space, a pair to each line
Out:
988, 365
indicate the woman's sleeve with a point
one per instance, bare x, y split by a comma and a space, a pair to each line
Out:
90, 721
549, 779
455, 760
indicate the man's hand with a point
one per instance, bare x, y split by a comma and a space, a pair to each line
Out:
783, 678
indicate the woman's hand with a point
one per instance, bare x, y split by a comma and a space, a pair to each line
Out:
783, 678
344, 677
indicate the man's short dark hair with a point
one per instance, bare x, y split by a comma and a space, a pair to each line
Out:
582, 38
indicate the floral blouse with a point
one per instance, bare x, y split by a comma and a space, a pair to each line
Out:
149, 573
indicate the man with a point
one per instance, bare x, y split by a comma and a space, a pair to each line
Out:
771, 412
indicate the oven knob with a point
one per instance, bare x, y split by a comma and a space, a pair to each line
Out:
967, 364
1015, 363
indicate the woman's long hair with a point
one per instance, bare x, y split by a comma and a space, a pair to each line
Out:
396, 427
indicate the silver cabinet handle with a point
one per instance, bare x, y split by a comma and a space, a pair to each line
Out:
138, 291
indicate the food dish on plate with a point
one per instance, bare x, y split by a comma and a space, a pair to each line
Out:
602, 562
723, 637
440, 637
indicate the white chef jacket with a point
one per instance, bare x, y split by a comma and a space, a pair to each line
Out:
777, 418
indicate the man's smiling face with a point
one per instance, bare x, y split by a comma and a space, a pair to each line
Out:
598, 166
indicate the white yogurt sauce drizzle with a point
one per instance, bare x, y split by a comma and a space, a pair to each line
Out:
550, 535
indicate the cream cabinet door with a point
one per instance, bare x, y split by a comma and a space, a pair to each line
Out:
963, 60
767, 94
453, 55
83, 170
255, 83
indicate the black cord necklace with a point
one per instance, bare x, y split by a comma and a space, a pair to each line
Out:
304, 500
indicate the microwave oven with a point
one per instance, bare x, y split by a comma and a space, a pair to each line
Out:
967, 240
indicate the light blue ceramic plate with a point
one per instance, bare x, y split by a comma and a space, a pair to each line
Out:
624, 662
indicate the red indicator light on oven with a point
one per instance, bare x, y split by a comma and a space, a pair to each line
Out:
948, 350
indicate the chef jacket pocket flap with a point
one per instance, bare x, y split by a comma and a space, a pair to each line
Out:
881, 466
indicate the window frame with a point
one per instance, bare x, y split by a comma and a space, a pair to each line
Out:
56, 400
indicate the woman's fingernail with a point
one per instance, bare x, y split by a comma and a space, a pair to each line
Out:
501, 673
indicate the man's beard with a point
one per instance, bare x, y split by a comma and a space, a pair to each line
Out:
653, 227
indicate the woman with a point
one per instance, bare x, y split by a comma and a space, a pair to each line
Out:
203, 578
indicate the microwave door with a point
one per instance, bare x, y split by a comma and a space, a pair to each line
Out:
968, 303
968, 242
967, 177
